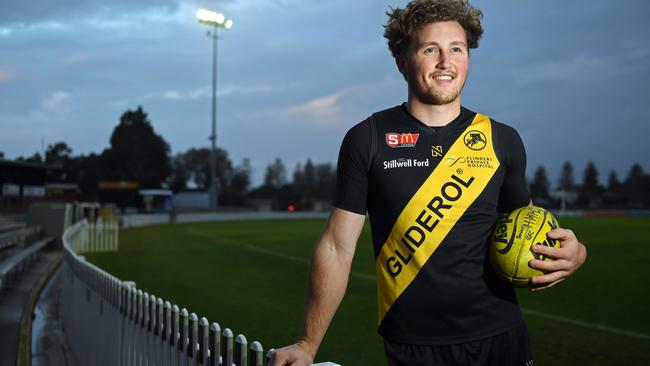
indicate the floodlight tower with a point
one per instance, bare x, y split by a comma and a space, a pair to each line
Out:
216, 21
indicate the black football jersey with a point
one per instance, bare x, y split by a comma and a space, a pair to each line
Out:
433, 196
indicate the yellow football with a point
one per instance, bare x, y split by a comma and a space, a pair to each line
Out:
512, 240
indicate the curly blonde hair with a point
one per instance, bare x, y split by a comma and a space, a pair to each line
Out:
417, 13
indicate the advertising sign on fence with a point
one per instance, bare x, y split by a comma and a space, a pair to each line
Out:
11, 190
34, 191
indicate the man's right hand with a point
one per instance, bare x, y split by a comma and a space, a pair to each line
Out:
298, 354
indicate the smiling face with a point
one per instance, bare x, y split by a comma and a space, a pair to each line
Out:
435, 64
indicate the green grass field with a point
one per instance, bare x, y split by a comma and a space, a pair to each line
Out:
252, 276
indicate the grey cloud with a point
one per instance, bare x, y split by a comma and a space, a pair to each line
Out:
38, 11
552, 70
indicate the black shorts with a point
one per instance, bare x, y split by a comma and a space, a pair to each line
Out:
511, 348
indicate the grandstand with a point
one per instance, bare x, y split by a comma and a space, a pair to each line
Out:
24, 257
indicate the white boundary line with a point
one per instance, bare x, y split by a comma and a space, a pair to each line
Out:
258, 249
585, 324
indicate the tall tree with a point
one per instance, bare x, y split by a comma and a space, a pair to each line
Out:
325, 181
591, 192
35, 158
613, 183
276, 174
137, 153
193, 166
298, 175
634, 176
566, 182
637, 187
304, 182
179, 176
590, 178
539, 188
90, 172
197, 165
612, 197
309, 175
59, 156
234, 192
241, 178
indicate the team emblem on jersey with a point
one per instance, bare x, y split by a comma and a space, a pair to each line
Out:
475, 140
436, 151
402, 139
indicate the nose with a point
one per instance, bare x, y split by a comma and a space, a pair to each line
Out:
443, 60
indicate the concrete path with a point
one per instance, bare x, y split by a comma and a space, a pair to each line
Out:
49, 343
13, 300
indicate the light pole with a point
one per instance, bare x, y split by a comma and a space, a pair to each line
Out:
216, 20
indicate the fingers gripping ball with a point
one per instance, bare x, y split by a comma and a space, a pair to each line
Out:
512, 240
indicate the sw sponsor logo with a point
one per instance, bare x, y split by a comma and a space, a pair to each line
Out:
402, 139
405, 163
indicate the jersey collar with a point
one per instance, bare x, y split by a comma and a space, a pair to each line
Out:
460, 122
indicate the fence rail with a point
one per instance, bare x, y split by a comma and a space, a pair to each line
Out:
112, 322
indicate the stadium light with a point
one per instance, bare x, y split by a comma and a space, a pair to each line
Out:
216, 21
210, 17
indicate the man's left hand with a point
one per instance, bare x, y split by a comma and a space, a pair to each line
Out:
566, 259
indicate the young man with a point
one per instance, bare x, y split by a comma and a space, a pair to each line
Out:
432, 175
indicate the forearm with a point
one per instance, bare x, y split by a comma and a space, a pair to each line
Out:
328, 281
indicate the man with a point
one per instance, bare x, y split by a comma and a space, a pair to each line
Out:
432, 175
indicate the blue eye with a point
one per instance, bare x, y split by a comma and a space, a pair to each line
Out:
429, 50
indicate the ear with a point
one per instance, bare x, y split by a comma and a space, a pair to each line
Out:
402, 65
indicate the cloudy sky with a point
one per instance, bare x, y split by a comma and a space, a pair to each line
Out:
294, 75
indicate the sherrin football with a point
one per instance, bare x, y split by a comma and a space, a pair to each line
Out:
512, 240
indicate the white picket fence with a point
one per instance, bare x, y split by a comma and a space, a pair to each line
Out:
110, 322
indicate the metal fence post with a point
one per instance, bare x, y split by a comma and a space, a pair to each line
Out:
227, 347
143, 329
128, 319
241, 351
173, 340
182, 343
151, 331
130, 340
139, 321
204, 338
166, 333
256, 355
159, 330
193, 333
215, 344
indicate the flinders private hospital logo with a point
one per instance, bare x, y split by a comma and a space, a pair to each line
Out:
484, 162
402, 139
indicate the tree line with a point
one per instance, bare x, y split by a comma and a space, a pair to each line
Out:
633, 192
136, 153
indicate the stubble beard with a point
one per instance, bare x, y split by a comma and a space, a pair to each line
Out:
435, 97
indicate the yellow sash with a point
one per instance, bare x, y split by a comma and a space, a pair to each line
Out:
432, 212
